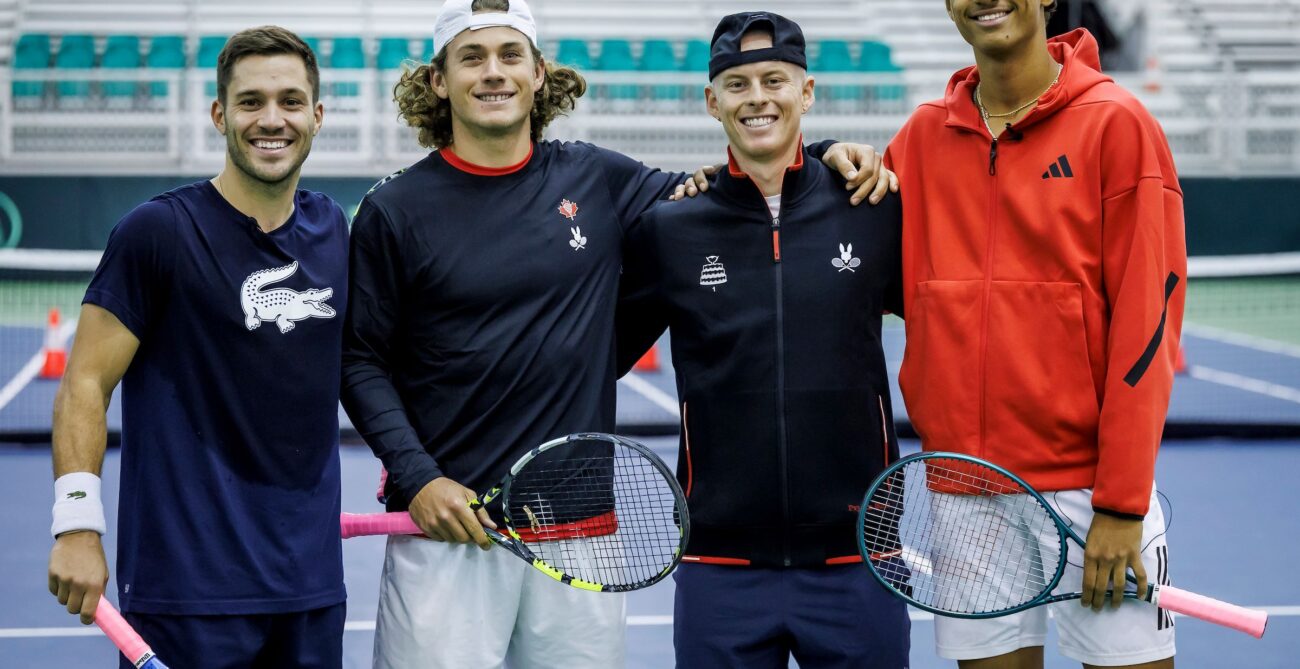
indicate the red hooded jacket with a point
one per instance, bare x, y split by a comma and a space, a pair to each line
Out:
1044, 276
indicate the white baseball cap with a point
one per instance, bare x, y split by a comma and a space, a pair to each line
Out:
457, 16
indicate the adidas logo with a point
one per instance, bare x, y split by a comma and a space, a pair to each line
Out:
1059, 169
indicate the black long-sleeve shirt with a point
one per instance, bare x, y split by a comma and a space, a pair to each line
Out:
481, 314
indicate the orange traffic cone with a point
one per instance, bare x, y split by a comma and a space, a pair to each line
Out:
56, 356
1153, 75
1180, 363
648, 362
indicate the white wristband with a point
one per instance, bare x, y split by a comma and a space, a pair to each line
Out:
77, 505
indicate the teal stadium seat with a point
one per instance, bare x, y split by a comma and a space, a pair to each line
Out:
697, 56
76, 52
657, 56
616, 56
393, 51
166, 52
833, 57
573, 53
210, 47
877, 57
347, 54
313, 43
31, 53
121, 52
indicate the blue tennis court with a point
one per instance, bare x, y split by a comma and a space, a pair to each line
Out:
1225, 542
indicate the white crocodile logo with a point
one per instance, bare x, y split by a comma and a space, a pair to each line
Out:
282, 305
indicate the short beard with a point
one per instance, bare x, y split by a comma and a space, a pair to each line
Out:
241, 162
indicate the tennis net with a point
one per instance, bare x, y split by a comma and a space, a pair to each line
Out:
1241, 344
40, 297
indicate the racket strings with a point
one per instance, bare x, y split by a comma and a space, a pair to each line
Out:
959, 537
598, 511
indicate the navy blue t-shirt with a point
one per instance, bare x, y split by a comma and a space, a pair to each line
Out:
230, 471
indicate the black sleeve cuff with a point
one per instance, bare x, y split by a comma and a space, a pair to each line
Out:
1116, 514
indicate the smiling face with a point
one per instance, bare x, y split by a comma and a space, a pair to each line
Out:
999, 27
490, 79
760, 104
268, 117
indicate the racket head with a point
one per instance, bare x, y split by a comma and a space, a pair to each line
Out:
960, 537
595, 511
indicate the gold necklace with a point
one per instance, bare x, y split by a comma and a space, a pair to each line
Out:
985, 115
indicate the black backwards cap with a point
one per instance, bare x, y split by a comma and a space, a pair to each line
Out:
787, 41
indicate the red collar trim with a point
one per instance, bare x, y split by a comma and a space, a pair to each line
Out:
461, 164
733, 168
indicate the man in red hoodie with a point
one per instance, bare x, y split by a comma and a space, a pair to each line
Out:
1044, 267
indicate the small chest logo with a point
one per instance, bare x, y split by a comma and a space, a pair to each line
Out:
846, 259
569, 209
1059, 169
713, 274
578, 242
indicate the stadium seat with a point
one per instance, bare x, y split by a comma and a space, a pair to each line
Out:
347, 55
313, 43
574, 53
31, 53
76, 52
616, 56
658, 56
833, 57
166, 52
210, 47
121, 52
697, 56
392, 52
876, 57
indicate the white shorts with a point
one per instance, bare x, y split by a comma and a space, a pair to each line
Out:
450, 606
1135, 633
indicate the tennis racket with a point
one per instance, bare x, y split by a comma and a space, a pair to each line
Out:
957, 536
593, 511
119, 631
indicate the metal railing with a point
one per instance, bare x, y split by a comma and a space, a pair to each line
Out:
158, 121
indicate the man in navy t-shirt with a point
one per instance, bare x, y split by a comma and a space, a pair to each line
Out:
216, 306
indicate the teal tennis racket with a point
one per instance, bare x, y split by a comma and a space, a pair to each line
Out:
958, 536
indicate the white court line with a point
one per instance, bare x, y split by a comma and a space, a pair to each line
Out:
369, 625
1243, 340
656, 396
33, 366
1245, 383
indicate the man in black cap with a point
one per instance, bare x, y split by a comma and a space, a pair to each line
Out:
773, 285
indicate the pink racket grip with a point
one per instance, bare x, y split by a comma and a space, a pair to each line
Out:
1211, 610
370, 524
119, 631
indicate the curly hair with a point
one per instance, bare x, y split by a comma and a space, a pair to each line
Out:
421, 108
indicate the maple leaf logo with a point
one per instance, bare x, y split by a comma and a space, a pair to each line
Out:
569, 209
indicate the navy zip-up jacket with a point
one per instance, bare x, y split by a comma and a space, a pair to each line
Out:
775, 329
